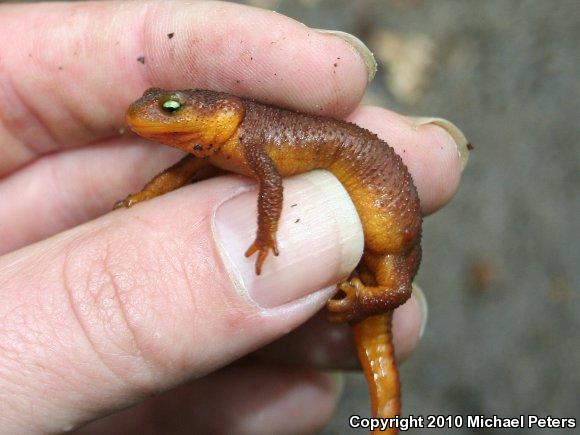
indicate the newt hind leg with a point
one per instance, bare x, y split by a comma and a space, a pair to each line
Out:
393, 275
374, 344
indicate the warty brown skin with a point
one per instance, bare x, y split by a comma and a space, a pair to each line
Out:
225, 132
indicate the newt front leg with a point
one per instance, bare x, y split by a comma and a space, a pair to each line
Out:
181, 173
269, 202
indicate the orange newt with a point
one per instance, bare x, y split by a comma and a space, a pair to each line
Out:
224, 132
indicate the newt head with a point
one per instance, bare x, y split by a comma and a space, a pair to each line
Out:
196, 121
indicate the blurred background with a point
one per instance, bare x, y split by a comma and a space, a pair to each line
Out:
501, 263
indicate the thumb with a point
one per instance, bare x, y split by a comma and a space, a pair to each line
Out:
105, 314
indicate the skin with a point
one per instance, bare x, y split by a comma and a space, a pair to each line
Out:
229, 133
62, 165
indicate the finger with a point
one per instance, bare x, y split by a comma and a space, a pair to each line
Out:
254, 400
66, 189
69, 81
141, 299
325, 345
429, 151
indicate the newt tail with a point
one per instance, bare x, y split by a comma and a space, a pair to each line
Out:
374, 344
267, 143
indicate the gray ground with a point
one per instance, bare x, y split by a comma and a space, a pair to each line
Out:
501, 262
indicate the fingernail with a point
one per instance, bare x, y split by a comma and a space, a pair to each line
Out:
319, 237
422, 302
461, 142
366, 55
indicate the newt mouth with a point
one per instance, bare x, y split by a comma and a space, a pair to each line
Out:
154, 126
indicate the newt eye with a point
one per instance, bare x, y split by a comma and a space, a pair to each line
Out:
171, 106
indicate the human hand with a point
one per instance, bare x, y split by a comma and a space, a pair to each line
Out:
110, 310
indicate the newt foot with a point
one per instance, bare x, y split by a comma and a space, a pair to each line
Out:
130, 201
263, 247
345, 307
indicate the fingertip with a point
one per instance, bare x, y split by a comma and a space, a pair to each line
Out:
360, 47
464, 147
409, 321
428, 150
438, 167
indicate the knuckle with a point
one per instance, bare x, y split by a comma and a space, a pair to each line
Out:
117, 295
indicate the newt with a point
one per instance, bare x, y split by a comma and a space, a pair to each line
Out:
223, 132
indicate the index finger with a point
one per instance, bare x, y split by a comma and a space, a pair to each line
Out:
70, 79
